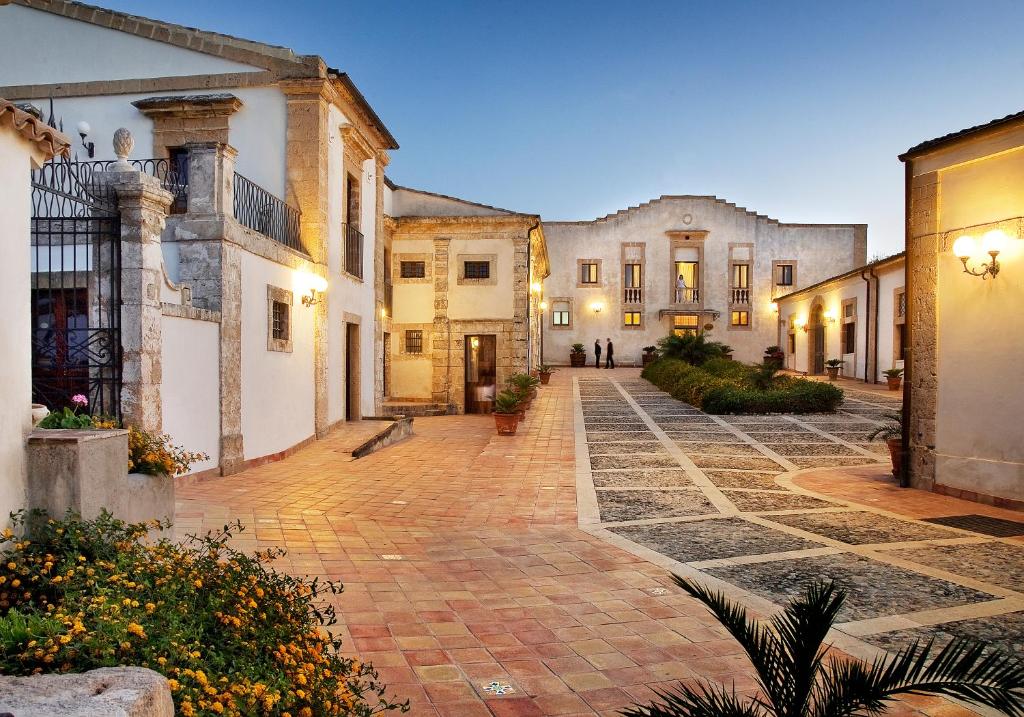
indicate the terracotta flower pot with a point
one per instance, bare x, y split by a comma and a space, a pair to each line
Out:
506, 423
895, 455
545, 376
833, 372
577, 359
894, 382
649, 358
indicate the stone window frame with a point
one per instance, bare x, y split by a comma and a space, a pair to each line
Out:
634, 327
626, 260
898, 321
491, 280
276, 294
697, 328
741, 309
396, 267
845, 320
400, 352
749, 263
679, 239
580, 284
791, 336
781, 289
408, 343
551, 321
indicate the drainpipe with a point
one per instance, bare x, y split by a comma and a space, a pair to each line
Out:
529, 298
867, 325
908, 360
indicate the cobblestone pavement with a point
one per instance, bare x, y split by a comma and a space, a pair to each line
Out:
470, 559
715, 498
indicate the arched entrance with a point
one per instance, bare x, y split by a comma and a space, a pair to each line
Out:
816, 341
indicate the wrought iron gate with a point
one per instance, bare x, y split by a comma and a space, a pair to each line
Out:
76, 288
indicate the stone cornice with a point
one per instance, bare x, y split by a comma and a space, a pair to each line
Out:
485, 224
331, 90
139, 86
355, 142
189, 106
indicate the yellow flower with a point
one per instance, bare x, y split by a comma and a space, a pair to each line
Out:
198, 583
136, 629
150, 607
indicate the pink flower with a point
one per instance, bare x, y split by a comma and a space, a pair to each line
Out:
79, 400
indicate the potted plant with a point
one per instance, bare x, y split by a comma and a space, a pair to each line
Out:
774, 354
578, 355
544, 372
650, 354
892, 433
524, 386
832, 366
894, 377
726, 351
506, 413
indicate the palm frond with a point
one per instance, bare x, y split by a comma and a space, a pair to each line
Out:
707, 701
962, 669
761, 646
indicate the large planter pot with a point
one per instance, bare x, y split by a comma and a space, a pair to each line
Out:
506, 423
895, 446
39, 412
833, 372
774, 358
577, 359
649, 358
894, 382
545, 376
525, 405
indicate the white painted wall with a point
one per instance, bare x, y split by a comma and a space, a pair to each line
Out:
416, 203
277, 388
473, 301
191, 386
16, 159
42, 48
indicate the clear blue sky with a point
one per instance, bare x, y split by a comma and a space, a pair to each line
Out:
576, 109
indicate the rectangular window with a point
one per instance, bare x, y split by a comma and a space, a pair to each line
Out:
588, 273
740, 318
413, 342
560, 318
631, 318
685, 324
741, 276
477, 269
849, 337
901, 305
792, 344
785, 277
633, 276
279, 321
413, 269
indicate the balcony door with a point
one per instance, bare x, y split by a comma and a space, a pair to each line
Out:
686, 289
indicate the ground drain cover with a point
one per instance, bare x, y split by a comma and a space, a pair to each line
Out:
986, 525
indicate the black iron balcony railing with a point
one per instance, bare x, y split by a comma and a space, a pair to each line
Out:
686, 296
172, 178
261, 211
740, 296
633, 295
353, 251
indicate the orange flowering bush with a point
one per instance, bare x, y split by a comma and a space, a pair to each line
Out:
155, 454
232, 635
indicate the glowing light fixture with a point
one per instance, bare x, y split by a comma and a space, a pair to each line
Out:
831, 316
317, 288
801, 323
597, 307
775, 306
992, 243
535, 287
543, 306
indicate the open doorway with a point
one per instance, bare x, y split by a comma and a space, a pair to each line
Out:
816, 364
481, 373
352, 412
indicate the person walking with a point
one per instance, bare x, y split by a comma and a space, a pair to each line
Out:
609, 355
597, 353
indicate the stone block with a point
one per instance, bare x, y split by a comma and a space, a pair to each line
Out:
120, 691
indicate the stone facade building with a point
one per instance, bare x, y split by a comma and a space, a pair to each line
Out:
618, 276
963, 387
858, 317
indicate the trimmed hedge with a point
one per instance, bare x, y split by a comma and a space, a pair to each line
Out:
722, 386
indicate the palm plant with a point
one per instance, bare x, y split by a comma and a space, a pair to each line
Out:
694, 349
892, 428
763, 376
796, 680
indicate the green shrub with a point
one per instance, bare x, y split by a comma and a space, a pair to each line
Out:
694, 349
722, 386
233, 636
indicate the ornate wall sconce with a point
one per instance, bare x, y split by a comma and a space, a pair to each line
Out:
774, 307
831, 316
597, 307
83, 131
992, 243
801, 323
317, 289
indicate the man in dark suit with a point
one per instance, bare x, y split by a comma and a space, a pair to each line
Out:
609, 355
597, 353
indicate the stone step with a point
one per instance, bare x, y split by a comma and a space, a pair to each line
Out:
413, 408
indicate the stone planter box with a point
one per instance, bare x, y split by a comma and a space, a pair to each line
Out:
87, 471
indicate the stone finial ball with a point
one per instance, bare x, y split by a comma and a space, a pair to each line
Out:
123, 143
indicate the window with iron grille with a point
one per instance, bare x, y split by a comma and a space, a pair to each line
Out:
477, 269
740, 318
280, 327
785, 277
631, 318
413, 269
588, 273
414, 342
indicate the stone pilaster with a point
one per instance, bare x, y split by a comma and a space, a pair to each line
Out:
306, 156
381, 322
521, 298
441, 337
922, 269
211, 174
143, 205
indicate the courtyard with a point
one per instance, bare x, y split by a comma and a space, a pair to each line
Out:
530, 575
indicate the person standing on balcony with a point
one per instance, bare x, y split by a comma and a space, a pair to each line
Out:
597, 353
680, 289
609, 354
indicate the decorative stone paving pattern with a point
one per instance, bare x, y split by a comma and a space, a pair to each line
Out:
721, 449
859, 528
642, 460
707, 436
873, 588
655, 478
996, 563
753, 464
821, 462
636, 504
712, 539
598, 436
758, 502
1005, 632
742, 479
618, 447
812, 449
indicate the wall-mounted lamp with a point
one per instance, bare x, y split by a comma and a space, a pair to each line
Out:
992, 243
83, 131
317, 288
474, 342
775, 306
543, 306
535, 287
801, 323
831, 316
597, 307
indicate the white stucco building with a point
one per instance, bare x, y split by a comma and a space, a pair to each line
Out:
858, 317
618, 276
